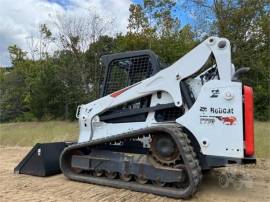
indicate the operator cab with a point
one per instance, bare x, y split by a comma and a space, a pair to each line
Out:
124, 69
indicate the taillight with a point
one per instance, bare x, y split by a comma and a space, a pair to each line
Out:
249, 121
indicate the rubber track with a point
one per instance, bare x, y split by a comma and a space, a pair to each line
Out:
187, 153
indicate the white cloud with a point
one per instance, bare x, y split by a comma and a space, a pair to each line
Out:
20, 19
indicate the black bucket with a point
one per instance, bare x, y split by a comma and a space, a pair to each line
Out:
42, 160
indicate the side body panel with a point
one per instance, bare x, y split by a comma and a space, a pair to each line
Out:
216, 119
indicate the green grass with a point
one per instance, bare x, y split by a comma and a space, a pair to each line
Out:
262, 139
29, 133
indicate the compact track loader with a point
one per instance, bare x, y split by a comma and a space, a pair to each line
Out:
156, 128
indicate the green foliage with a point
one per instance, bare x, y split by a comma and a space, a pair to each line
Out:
104, 45
12, 95
25, 117
16, 54
246, 24
46, 92
137, 19
52, 86
153, 25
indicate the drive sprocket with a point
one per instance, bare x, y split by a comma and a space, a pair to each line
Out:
163, 149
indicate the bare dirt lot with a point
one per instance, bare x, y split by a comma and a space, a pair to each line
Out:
254, 185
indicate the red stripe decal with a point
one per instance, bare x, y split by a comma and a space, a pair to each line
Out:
119, 92
115, 94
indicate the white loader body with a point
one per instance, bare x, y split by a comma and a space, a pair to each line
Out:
215, 119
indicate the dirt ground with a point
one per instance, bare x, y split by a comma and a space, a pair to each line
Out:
253, 185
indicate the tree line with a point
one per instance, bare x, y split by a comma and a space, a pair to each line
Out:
41, 85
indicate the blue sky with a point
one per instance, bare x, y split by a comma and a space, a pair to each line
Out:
63, 3
184, 16
20, 19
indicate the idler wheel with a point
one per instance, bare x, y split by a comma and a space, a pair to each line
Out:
141, 180
159, 183
98, 173
126, 177
111, 175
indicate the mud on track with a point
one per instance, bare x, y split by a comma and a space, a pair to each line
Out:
254, 186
